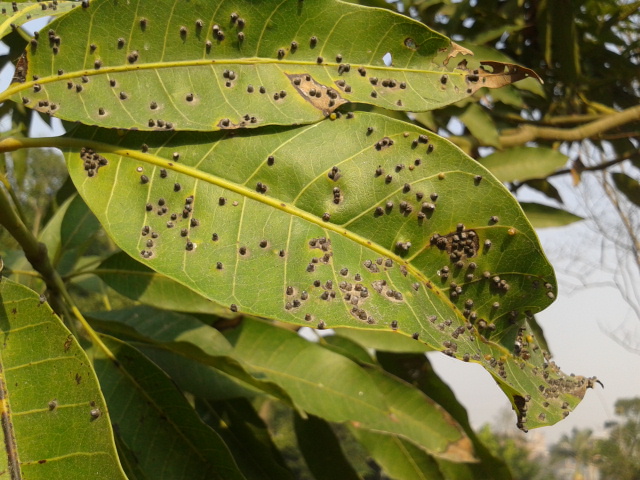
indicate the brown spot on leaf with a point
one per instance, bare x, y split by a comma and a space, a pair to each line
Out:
502, 74
324, 98
456, 50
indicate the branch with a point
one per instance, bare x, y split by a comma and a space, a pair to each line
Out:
594, 168
530, 133
35, 251
36, 254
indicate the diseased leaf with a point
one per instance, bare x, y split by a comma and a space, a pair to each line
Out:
55, 421
544, 216
523, 163
225, 65
382, 341
627, 185
531, 84
392, 228
138, 282
15, 14
144, 404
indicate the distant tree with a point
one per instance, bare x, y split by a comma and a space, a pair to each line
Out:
619, 454
578, 448
517, 453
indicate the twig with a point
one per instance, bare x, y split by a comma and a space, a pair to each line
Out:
36, 254
530, 133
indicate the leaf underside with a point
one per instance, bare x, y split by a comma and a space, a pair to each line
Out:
235, 64
390, 228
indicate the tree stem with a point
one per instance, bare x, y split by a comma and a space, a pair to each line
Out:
36, 254
35, 251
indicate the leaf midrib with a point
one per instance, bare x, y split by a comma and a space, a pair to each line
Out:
17, 87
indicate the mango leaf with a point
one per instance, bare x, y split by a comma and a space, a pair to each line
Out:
480, 124
15, 14
344, 392
248, 438
138, 282
399, 459
173, 333
67, 233
330, 386
217, 65
545, 187
348, 348
627, 185
321, 449
144, 403
523, 163
197, 378
544, 216
391, 228
531, 84
55, 420
382, 341
418, 370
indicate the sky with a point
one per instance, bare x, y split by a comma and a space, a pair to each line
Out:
576, 327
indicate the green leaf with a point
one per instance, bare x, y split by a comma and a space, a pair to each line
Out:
248, 438
627, 185
523, 163
68, 231
162, 66
545, 187
544, 216
272, 254
197, 378
19, 13
144, 403
480, 124
382, 341
418, 370
330, 386
138, 282
399, 458
168, 333
321, 449
55, 421
348, 348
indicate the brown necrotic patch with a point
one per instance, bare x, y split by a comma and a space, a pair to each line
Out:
381, 287
325, 99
